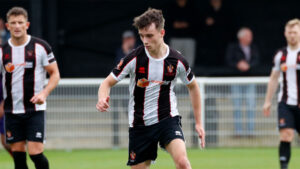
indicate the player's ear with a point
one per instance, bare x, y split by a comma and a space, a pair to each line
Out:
162, 32
7, 25
27, 25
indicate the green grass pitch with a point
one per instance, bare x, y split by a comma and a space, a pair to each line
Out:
246, 158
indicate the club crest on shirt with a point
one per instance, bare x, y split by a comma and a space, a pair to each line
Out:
9, 67
170, 70
282, 122
132, 156
120, 64
142, 83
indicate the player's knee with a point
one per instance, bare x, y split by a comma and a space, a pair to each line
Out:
286, 135
183, 163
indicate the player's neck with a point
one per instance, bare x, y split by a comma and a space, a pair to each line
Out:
160, 52
19, 41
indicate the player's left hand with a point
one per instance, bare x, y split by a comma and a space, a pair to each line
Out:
201, 134
39, 98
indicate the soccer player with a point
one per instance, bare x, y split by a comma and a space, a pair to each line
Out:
153, 116
286, 63
25, 60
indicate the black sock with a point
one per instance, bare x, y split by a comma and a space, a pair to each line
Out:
284, 154
20, 160
40, 161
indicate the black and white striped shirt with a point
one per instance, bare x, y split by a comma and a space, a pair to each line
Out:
152, 98
23, 73
289, 87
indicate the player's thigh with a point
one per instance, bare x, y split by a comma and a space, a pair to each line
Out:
18, 146
15, 128
177, 149
286, 134
35, 147
144, 165
286, 118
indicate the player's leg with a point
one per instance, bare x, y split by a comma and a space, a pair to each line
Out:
35, 135
286, 125
177, 150
142, 147
286, 137
143, 165
2, 136
172, 140
6, 146
14, 128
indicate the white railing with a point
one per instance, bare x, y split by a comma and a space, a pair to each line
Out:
73, 121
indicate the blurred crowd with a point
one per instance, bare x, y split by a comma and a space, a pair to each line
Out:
207, 38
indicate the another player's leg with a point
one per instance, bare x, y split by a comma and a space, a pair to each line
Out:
35, 135
35, 150
177, 150
19, 154
286, 137
144, 165
6, 146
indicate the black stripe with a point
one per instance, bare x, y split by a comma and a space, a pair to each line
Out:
52, 60
164, 102
298, 79
142, 65
29, 75
285, 92
7, 58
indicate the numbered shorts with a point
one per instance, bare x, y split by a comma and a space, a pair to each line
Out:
143, 140
25, 127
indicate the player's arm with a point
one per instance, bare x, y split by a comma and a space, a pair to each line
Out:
54, 77
272, 87
103, 93
1, 108
194, 92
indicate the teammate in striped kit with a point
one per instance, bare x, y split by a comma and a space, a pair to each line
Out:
286, 64
153, 116
25, 60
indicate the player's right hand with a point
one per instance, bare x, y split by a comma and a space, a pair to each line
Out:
103, 104
267, 109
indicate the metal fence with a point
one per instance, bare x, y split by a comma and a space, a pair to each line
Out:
232, 109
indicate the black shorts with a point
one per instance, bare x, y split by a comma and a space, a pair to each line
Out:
25, 127
143, 140
288, 116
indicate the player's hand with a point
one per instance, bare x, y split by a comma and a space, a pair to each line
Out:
39, 98
201, 134
267, 109
103, 104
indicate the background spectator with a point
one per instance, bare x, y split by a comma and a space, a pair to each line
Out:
216, 32
128, 44
180, 22
242, 56
4, 34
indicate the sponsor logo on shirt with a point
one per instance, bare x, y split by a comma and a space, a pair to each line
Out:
9, 67
28, 65
145, 83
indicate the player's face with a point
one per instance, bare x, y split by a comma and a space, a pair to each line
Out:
292, 35
151, 37
17, 25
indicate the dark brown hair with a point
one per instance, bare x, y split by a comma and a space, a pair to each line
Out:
16, 11
147, 18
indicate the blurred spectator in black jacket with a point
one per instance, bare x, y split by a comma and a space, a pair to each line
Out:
180, 24
216, 31
243, 55
128, 44
4, 34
